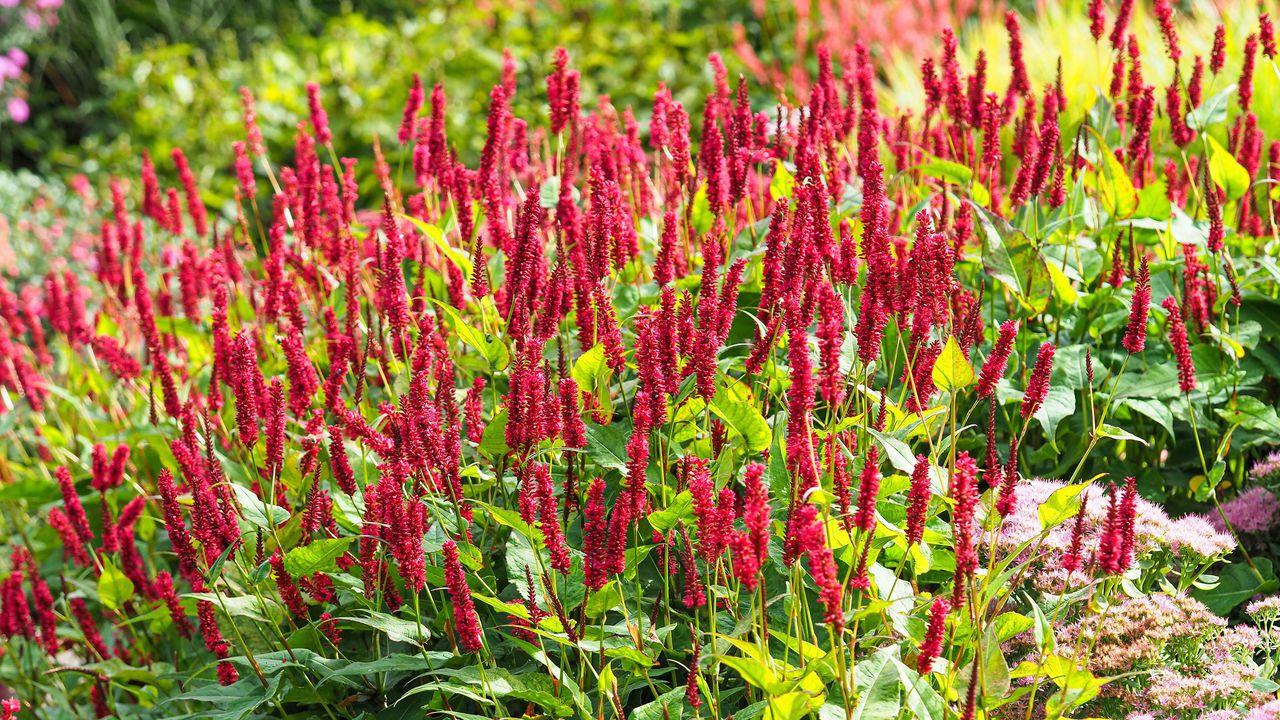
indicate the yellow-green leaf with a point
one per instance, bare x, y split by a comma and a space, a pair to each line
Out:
783, 181
952, 371
114, 589
1226, 171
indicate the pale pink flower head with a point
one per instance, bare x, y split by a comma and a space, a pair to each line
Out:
18, 110
1255, 510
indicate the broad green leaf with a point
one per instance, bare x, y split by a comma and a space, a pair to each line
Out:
1011, 258
1153, 409
783, 182
1111, 431
1211, 111
549, 193
1059, 404
675, 511
1226, 171
744, 419
436, 235
922, 701
606, 444
590, 367
494, 440
490, 346
395, 628
753, 670
668, 706
952, 371
1114, 186
1061, 505
114, 589
899, 453
256, 511
1251, 413
946, 170
876, 681
318, 556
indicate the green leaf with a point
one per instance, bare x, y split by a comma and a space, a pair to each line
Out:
549, 193
1237, 583
256, 511
1118, 194
678, 509
921, 700
783, 182
606, 444
1251, 413
952, 371
1211, 111
1115, 433
1061, 505
668, 706
1152, 409
876, 681
436, 235
603, 600
946, 170
744, 419
1059, 404
396, 629
114, 589
1011, 258
494, 440
590, 367
899, 453
1226, 171
491, 347
319, 556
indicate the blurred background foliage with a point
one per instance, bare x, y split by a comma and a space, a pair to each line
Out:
116, 76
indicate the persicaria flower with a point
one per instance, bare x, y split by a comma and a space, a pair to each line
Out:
341, 466
164, 590
71, 502
993, 369
869, 487
411, 107
1071, 560
931, 648
918, 497
1178, 340
1135, 336
288, 590
964, 493
812, 541
213, 640
1038, 385
466, 623
319, 118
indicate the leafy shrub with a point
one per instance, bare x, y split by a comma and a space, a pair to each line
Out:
629, 419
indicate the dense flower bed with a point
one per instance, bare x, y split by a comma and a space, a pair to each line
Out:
787, 411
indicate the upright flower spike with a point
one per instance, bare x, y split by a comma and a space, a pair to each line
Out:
964, 495
998, 361
869, 487
319, 118
1181, 350
1135, 336
412, 106
934, 634
466, 624
1072, 560
1038, 385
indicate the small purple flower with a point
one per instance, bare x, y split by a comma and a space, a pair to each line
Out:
18, 57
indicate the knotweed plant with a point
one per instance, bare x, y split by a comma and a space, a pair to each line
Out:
744, 410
